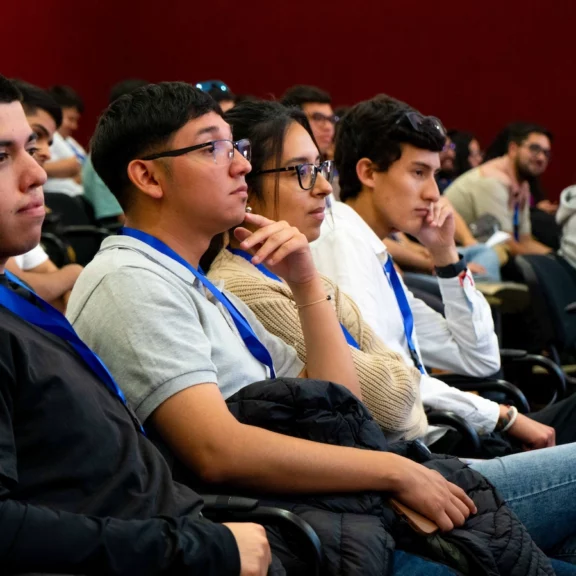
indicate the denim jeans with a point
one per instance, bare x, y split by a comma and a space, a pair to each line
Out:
485, 256
540, 486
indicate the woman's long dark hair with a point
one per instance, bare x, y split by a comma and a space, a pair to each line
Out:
461, 141
265, 124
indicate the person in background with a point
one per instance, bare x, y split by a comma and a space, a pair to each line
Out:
65, 167
317, 105
542, 210
107, 211
445, 175
220, 92
566, 218
51, 283
501, 187
468, 151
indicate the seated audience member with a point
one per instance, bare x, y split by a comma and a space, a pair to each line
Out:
391, 387
500, 187
180, 347
65, 167
542, 210
35, 268
387, 154
317, 105
468, 151
445, 176
220, 92
567, 220
106, 208
71, 501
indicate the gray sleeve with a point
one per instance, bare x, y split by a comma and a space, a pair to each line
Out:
492, 197
148, 333
285, 358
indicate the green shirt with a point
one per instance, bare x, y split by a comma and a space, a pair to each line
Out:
97, 193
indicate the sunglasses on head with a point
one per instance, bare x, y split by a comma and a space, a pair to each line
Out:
418, 122
209, 85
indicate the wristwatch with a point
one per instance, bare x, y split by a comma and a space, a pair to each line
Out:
452, 270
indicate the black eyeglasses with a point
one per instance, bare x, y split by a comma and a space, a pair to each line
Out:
307, 173
536, 149
208, 85
322, 118
222, 150
418, 122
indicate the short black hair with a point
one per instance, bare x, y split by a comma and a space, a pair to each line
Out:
516, 132
301, 94
375, 129
8, 91
140, 123
221, 95
67, 97
125, 87
34, 98
265, 124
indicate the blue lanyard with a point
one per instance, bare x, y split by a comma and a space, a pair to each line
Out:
256, 348
79, 155
405, 310
48, 318
516, 222
349, 338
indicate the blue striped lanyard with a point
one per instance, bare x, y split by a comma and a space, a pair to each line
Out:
247, 256
256, 348
516, 222
405, 310
48, 318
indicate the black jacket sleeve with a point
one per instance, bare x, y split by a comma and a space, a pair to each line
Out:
37, 539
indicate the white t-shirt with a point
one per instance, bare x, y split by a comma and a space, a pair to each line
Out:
352, 256
60, 150
31, 259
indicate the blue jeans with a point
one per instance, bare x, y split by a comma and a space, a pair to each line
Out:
540, 486
485, 256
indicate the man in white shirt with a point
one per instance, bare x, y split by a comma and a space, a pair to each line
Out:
65, 168
50, 282
387, 155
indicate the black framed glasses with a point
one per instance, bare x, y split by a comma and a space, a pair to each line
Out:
222, 150
419, 122
536, 149
307, 173
323, 118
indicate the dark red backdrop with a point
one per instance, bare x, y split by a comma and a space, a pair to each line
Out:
476, 65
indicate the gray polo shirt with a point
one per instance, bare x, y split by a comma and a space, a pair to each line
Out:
159, 331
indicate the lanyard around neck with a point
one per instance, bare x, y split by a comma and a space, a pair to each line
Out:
48, 318
252, 342
405, 310
247, 256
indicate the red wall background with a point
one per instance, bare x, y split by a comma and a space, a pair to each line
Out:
476, 65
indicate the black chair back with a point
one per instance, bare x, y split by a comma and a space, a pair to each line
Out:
552, 284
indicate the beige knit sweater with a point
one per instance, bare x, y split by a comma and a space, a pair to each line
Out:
390, 388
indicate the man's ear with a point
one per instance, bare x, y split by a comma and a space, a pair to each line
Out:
512, 149
365, 172
146, 176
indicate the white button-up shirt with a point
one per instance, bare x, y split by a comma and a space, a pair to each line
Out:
351, 254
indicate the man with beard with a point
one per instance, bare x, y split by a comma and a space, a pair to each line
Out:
501, 188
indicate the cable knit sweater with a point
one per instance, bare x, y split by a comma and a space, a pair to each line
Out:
390, 388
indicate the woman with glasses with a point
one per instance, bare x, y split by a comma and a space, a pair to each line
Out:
468, 151
289, 182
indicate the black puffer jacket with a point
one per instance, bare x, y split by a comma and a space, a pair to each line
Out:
359, 531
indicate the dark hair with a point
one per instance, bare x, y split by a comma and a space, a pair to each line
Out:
461, 142
125, 87
8, 91
265, 124
67, 97
374, 129
35, 98
516, 132
300, 95
140, 123
221, 95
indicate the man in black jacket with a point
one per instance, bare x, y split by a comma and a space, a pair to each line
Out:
81, 488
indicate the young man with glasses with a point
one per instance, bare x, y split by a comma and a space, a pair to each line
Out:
82, 490
179, 346
317, 105
387, 155
500, 187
